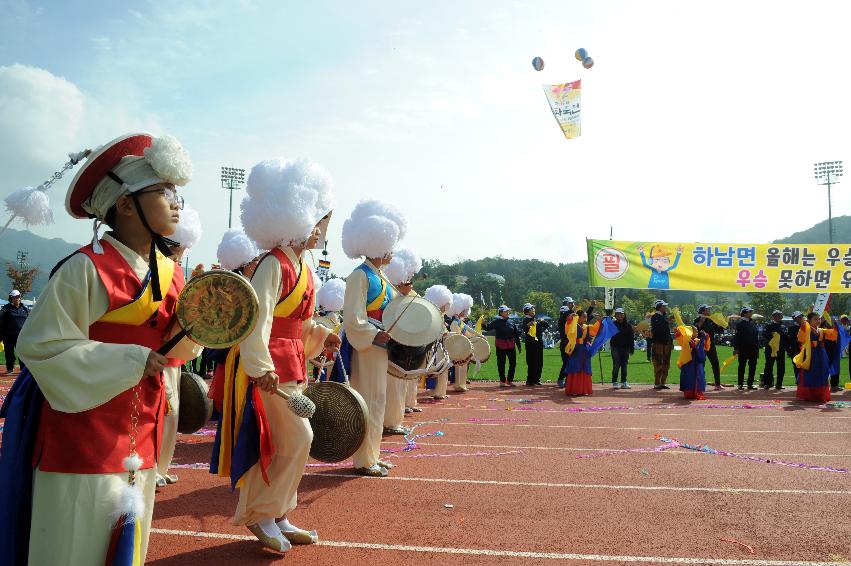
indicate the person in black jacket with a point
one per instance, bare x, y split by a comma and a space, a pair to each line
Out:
623, 345
704, 323
507, 336
663, 344
794, 347
13, 315
533, 330
775, 351
746, 346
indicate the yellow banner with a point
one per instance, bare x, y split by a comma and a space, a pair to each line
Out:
785, 268
564, 101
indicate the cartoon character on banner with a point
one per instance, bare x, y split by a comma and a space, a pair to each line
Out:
659, 265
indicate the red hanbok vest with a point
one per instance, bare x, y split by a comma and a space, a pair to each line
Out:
294, 307
97, 441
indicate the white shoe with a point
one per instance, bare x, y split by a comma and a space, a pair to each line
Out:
625, 385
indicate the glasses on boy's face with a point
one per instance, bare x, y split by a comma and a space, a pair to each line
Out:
169, 193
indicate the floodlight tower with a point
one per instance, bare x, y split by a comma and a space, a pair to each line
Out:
828, 173
232, 180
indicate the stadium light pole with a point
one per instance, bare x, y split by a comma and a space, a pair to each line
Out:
232, 180
828, 173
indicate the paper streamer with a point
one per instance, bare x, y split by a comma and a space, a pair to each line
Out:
670, 443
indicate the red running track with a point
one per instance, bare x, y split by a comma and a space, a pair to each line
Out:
520, 493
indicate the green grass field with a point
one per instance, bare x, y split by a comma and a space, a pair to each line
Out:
640, 370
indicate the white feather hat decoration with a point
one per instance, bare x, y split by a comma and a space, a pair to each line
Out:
461, 302
330, 296
236, 249
440, 295
373, 229
404, 265
285, 201
188, 232
31, 204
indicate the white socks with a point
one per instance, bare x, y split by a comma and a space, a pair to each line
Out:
285, 525
269, 528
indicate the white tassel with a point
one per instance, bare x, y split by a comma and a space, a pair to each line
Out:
32, 205
131, 501
96, 245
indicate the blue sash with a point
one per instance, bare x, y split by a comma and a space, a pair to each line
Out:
22, 410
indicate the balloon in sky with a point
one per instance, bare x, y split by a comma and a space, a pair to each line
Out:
588, 62
538, 63
581, 54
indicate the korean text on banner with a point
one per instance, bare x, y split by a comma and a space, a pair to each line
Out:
564, 101
786, 268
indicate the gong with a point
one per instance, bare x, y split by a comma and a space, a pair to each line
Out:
339, 423
216, 309
195, 407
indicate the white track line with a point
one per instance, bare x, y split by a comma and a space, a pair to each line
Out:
734, 490
458, 423
648, 412
516, 554
625, 450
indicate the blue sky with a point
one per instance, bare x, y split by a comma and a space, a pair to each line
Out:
700, 121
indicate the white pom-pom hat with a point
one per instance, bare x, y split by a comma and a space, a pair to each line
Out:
404, 265
188, 232
285, 201
373, 229
461, 303
330, 296
236, 249
440, 296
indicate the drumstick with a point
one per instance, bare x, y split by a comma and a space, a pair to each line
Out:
392, 326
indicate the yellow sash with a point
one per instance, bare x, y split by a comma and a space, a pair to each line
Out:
480, 323
774, 344
802, 360
570, 333
233, 408
291, 302
144, 307
684, 335
533, 330
728, 361
379, 300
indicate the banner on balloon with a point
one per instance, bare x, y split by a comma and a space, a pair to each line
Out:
564, 101
784, 268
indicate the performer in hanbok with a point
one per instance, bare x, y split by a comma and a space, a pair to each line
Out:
71, 461
238, 253
329, 304
583, 342
694, 343
263, 445
371, 232
441, 297
401, 393
188, 234
461, 305
812, 361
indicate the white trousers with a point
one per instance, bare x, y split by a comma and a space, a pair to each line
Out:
73, 516
171, 376
411, 392
369, 378
394, 410
461, 377
442, 382
291, 437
